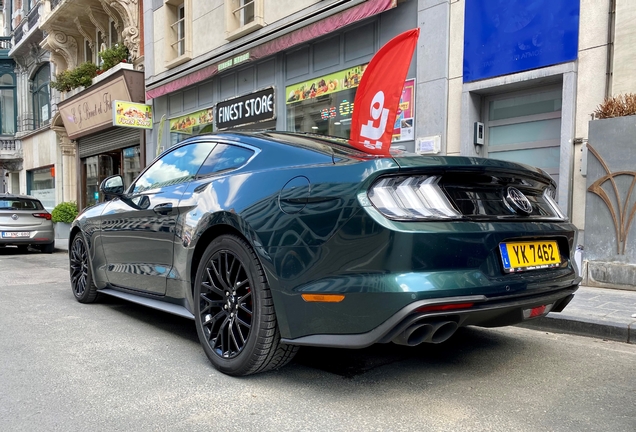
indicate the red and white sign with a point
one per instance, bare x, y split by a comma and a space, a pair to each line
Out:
378, 95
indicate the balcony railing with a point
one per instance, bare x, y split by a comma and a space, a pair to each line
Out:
54, 3
34, 16
17, 34
5, 42
9, 147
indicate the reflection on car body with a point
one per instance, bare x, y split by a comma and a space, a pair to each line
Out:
271, 240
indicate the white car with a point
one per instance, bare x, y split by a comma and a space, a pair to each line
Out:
24, 222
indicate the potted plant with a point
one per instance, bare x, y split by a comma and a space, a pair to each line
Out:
113, 56
62, 216
81, 76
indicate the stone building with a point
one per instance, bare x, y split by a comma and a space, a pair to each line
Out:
62, 161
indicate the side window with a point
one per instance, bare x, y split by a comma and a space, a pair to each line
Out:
224, 158
178, 166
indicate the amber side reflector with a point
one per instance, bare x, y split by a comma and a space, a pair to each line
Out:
437, 308
324, 298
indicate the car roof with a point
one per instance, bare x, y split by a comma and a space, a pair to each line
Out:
13, 196
315, 142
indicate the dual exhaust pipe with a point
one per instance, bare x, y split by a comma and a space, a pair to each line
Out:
426, 332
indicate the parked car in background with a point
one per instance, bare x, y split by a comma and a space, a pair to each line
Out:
24, 222
272, 240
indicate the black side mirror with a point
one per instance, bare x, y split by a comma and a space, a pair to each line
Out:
113, 185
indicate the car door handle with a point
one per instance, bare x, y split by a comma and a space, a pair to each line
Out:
163, 209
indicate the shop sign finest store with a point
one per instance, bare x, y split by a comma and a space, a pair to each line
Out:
92, 110
252, 108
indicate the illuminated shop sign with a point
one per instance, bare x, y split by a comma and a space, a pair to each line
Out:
130, 114
341, 112
252, 108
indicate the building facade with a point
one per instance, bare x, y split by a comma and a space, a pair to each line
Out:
47, 156
264, 64
514, 80
10, 148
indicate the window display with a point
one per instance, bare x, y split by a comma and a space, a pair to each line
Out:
191, 124
324, 105
41, 185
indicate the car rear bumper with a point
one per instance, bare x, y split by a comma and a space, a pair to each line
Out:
484, 312
36, 237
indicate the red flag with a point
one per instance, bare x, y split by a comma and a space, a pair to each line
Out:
378, 95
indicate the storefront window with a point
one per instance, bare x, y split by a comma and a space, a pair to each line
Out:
91, 189
95, 170
196, 123
324, 105
131, 166
41, 185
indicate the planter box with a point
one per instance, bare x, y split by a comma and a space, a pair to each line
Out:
62, 230
610, 238
111, 71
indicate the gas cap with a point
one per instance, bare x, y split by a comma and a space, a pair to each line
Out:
294, 195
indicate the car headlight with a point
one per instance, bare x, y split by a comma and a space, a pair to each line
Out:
412, 198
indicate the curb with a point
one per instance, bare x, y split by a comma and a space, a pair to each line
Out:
601, 329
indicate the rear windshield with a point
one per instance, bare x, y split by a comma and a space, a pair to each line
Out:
20, 204
321, 143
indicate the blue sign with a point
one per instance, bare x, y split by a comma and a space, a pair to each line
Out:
507, 36
96, 196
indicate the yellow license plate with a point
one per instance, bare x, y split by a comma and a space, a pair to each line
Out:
532, 255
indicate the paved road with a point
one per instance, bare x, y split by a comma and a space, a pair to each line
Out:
117, 366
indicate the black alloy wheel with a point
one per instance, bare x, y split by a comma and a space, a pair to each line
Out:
227, 307
82, 284
234, 310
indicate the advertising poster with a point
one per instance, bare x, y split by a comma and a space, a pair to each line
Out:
130, 114
184, 124
335, 82
404, 127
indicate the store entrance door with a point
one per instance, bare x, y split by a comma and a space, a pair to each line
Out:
95, 170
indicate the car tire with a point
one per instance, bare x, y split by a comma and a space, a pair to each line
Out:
82, 284
48, 248
234, 310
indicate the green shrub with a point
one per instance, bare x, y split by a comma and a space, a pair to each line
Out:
112, 56
64, 212
81, 76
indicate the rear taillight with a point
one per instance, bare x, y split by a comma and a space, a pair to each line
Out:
45, 215
412, 198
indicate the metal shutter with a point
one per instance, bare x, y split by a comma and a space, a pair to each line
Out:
112, 139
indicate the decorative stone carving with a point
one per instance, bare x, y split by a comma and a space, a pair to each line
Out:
64, 45
112, 16
11, 165
129, 12
68, 147
84, 33
100, 25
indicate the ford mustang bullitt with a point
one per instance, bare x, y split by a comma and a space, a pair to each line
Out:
272, 240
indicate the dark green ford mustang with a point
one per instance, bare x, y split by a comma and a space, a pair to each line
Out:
273, 240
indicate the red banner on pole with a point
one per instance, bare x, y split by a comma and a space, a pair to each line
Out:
379, 92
